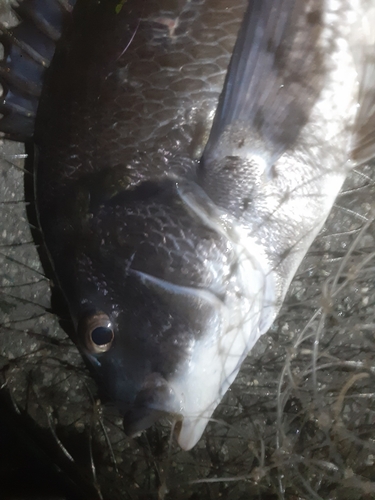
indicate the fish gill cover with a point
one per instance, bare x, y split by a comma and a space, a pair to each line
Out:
297, 422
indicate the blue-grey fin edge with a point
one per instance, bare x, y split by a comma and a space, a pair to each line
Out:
28, 51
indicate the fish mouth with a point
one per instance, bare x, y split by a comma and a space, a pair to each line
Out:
188, 430
158, 399
155, 400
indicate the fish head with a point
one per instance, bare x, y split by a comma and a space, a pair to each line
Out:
167, 306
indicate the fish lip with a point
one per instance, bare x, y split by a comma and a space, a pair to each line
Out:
155, 400
188, 431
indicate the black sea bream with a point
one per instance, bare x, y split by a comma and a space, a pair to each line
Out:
187, 153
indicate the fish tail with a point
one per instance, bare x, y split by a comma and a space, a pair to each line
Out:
28, 50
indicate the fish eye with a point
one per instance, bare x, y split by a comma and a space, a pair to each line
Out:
97, 332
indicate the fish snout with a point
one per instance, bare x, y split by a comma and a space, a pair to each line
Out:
155, 400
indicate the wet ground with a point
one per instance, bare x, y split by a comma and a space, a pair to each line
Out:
298, 423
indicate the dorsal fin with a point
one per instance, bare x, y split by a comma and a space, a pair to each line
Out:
269, 77
364, 145
28, 50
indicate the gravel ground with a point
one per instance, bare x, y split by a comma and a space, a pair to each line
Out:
298, 423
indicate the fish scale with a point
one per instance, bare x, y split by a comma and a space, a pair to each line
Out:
175, 219
154, 134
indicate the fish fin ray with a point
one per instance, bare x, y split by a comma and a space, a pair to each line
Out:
364, 146
46, 15
270, 85
28, 50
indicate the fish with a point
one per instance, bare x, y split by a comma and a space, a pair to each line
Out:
186, 156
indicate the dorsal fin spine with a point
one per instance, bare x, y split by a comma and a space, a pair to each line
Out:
28, 51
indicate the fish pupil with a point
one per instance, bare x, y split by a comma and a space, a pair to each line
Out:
102, 335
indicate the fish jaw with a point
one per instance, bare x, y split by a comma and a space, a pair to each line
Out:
217, 359
214, 365
155, 400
